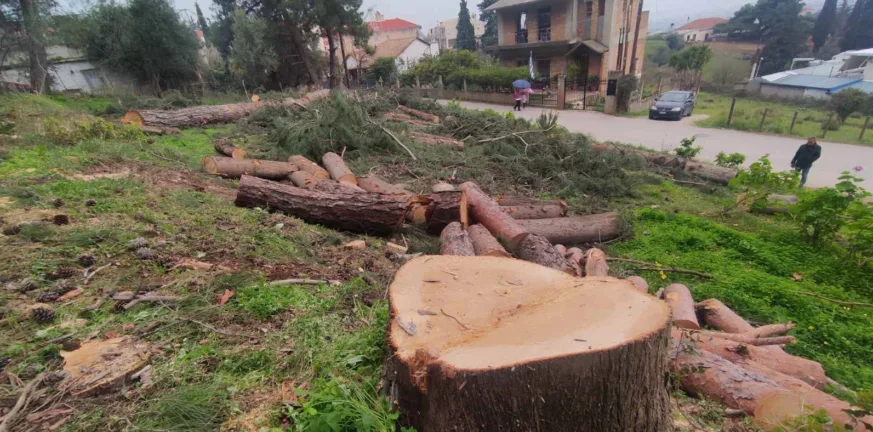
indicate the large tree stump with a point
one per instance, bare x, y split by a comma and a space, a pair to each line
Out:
225, 147
484, 243
454, 240
310, 167
487, 212
538, 250
338, 169
576, 229
208, 114
355, 212
492, 344
236, 168
445, 208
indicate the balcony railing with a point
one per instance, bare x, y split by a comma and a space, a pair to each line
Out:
521, 37
544, 34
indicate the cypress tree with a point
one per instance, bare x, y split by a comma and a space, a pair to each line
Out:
825, 24
853, 30
490, 20
466, 32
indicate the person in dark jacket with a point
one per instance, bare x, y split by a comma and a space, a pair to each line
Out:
806, 155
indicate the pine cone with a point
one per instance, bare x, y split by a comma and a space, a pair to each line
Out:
86, 260
48, 296
137, 243
58, 203
145, 253
62, 272
91, 203
3, 362
27, 285
61, 219
43, 315
11, 230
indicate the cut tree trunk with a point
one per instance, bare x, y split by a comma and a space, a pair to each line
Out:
236, 168
330, 186
151, 130
576, 258
372, 183
442, 187
303, 179
716, 315
770, 330
484, 243
338, 169
354, 212
491, 344
576, 229
527, 212
639, 283
595, 263
803, 369
711, 173
656, 159
309, 166
225, 147
209, 114
747, 340
511, 201
403, 118
420, 114
445, 208
436, 139
561, 248
455, 241
537, 249
487, 212
679, 298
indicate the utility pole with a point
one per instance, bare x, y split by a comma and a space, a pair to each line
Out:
633, 67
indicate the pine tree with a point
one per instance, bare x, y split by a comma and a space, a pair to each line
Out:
466, 32
853, 27
201, 20
490, 20
824, 25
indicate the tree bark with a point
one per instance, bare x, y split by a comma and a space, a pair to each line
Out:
338, 169
198, 116
236, 168
300, 44
310, 167
330, 186
545, 353
436, 139
35, 45
331, 48
679, 298
527, 212
419, 114
715, 314
442, 187
711, 173
303, 179
354, 212
770, 330
372, 183
576, 258
748, 340
484, 243
488, 213
576, 229
537, 249
651, 158
445, 208
225, 147
512, 201
595, 263
454, 240
639, 283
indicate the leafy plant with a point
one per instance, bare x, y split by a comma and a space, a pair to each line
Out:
687, 150
823, 212
733, 160
340, 405
759, 182
847, 102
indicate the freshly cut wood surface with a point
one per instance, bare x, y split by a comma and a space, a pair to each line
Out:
472, 338
679, 298
561, 248
236, 168
720, 317
436, 139
372, 183
303, 179
355, 212
225, 147
535, 211
770, 330
576, 229
538, 250
595, 263
419, 114
487, 212
576, 258
338, 169
484, 243
454, 240
442, 187
310, 167
639, 283
445, 208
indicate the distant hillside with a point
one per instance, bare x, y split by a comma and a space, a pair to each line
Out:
679, 12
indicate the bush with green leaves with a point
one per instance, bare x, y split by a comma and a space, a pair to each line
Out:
759, 182
687, 149
847, 102
822, 213
489, 76
733, 160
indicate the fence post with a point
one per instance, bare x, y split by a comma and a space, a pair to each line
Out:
731, 113
824, 127
793, 122
441, 82
864, 129
658, 91
417, 82
763, 119
465, 85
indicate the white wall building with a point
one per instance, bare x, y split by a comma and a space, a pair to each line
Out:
700, 30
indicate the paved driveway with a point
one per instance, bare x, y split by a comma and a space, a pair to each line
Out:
666, 135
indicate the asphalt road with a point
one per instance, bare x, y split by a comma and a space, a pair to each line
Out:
666, 135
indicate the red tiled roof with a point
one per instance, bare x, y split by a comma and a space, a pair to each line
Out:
391, 24
703, 24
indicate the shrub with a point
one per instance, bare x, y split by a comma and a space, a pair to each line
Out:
687, 149
734, 160
491, 76
66, 134
759, 182
823, 212
847, 102
831, 124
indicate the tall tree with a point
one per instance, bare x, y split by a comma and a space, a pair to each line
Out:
201, 20
332, 16
253, 59
490, 20
859, 29
842, 18
466, 32
824, 24
34, 31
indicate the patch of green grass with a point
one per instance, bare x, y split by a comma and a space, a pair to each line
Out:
748, 114
188, 408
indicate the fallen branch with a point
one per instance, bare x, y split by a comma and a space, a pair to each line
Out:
152, 299
515, 134
397, 140
770, 330
221, 332
88, 276
748, 340
304, 282
657, 267
839, 302
9, 419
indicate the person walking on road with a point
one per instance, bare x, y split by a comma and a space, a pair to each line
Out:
806, 155
518, 97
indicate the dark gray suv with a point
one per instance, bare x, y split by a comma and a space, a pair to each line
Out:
673, 105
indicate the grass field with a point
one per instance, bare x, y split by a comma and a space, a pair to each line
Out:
308, 358
748, 113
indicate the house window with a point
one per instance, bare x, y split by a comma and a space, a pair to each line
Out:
544, 67
522, 62
601, 7
544, 24
521, 28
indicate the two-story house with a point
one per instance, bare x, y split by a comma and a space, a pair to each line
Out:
597, 35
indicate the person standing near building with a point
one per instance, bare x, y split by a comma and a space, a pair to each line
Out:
806, 155
517, 96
